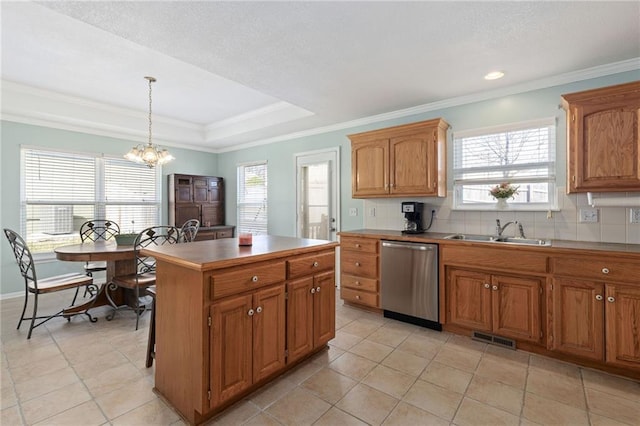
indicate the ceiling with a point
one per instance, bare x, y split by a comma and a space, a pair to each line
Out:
233, 74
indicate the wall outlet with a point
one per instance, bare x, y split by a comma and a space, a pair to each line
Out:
588, 215
372, 212
353, 211
634, 215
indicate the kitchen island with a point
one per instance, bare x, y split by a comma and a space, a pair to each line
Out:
230, 318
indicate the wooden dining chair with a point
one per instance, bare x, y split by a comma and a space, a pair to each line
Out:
43, 286
145, 275
189, 230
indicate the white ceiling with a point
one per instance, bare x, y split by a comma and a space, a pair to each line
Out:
233, 74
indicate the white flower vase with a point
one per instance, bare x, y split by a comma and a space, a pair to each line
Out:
501, 204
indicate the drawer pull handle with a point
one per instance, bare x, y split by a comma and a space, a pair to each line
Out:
611, 299
316, 264
605, 270
599, 297
358, 296
259, 309
358, 283
317, 289
357, 263
250, 313
486, 285
313, 291
495, 288
358, 246
254, 279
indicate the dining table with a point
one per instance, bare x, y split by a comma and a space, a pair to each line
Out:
120, 260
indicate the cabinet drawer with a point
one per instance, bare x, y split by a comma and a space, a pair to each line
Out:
494, 258
359, 283
359, 264
360, 297
236, 280
597, 268
307, 265
366, 245
226, 233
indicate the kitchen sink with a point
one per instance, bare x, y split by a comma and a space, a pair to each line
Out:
503, 240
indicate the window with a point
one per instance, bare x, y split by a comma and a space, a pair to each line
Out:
522, 154
252, 198
61, 190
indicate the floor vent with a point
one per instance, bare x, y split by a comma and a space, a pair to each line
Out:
494, 340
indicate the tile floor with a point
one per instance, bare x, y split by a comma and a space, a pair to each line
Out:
376, 371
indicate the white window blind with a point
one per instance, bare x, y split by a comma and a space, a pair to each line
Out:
61, 190
252, 198
522, 154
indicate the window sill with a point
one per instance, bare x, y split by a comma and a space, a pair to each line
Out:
510, 208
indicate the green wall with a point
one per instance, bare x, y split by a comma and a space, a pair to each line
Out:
280, 157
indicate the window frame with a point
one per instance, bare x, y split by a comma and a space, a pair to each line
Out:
550, 179
240, 204
99, 202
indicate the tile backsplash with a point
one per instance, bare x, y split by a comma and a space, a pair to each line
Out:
613, 224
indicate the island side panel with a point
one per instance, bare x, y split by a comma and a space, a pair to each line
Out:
182, 353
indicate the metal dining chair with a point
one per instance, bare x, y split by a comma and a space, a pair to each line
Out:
189, 230
145, 275
43, 286
97, 230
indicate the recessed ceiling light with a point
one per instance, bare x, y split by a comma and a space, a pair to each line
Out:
494, 75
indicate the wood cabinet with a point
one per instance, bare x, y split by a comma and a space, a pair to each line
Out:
248, 341
225, 316
197, 197
400, 161
603, 139
595, 311
505, 305
360, 271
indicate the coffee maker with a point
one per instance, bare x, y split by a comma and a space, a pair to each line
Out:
412, 217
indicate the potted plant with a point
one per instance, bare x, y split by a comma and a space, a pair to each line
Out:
502, 192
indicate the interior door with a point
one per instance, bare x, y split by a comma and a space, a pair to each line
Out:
317, 195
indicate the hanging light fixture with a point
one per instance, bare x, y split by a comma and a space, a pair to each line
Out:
149, 154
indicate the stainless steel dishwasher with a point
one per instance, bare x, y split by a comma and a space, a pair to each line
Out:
409, 284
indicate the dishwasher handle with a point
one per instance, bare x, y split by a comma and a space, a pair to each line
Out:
409, 246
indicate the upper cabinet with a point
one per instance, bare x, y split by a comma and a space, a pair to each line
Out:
400, 161
603, 128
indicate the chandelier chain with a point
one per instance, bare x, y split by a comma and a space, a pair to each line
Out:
151, 80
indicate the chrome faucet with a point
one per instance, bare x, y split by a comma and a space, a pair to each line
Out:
500, 229
520, 230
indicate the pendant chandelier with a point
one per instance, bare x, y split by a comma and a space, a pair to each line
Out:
149, 154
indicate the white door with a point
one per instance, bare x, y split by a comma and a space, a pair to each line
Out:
317, 197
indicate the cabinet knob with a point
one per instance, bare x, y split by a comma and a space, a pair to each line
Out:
495, 288
358, 296
611, 299
599, 297
313, 291
317, 289
250, 313
357, 263
487, 285
254, 279
358, 246
605, 270
357, 283
259, 309
316, 264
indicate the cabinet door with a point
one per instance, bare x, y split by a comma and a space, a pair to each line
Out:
516, 307
623, 325
268, 331
370, 168
299, 318
578, 318
183, 189
324, 308
231, 348
200, 189
212, 214
414, 164
216, 190
469, 299
184, 212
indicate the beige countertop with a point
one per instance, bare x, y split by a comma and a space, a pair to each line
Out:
439, 237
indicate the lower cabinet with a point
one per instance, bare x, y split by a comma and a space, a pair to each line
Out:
505, 305
247, 341
596, 320
310, 314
